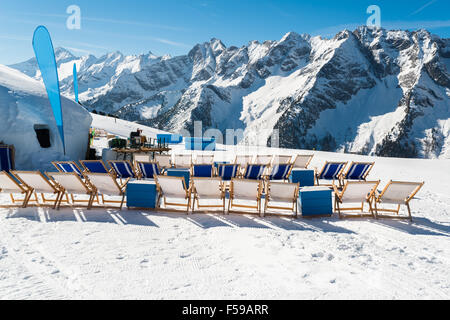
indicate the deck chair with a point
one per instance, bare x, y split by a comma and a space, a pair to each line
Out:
281, 159
254, 171
72, 185
148, 170
245, 190
302, 161
123, 169
68, 167
360, 192
243, 161
173, 188
164, 161
357, 171
106, 184
261, 159
282, 192
227, 172
208, 189
397, 193
6, 158
94, 166
202, 170
280, 172
182, 161
40, 184
9, 185
203, 159
142, 157
331, 171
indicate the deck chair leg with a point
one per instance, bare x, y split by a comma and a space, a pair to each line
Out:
409, 212
123, 200
338, 209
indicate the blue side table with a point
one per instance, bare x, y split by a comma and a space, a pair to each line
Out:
141, 194
316, 201
185, 173
303, 176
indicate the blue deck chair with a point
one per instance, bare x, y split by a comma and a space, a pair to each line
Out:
202, 170
148, 170
94, 166
331, 171
123, 169
358, 171
280, 172
6, 160
255, 171
228, 171
68, 167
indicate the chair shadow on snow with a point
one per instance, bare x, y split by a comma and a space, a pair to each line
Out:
420, 225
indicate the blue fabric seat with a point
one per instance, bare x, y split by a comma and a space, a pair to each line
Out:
202, 171
148, 169
254, 171
94, 166
67, 167
331, 171
5, 159
228, 171
280, 172
123, 169
359, 170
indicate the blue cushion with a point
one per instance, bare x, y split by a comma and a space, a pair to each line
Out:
95, 167
203, 171
68, 167
254, 171
228, 172
5, 159
149, 170
331, 171
280, 172
358, 170
123, 169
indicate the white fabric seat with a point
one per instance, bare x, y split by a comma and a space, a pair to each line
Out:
248, 190
73, 185
107, 184
208, 189
10, 186
173, 188
282, 193
360, 192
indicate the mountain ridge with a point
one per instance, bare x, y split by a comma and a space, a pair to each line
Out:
369, 91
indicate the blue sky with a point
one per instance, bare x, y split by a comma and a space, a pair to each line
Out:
174, 27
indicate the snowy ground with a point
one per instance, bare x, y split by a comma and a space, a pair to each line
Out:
80, 254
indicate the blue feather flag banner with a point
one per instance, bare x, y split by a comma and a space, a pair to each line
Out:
75, 81
45, 56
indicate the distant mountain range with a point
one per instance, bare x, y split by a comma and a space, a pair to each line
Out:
370, 91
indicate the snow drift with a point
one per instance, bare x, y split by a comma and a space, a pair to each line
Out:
24, 104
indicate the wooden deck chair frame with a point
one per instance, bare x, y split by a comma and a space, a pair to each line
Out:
369, 198
263, 175
258, 206
117, 174
166, 203
226, 183
379, 200
196, 196
55, 164
364, 178
57, 190
338, 175
182, 156
167, 156
89, 190
202, 156
120, 187
86, 169
295, 196
305, 156
22, 189
260, 156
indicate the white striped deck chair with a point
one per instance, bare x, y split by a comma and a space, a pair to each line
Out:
355, 192
106, 185
73, 185
207, 190
204, 159
173, 188
397, 193
263, 160
302, 161
281, 159
182, 161
242, 192
279, 192
164, 161
11, 186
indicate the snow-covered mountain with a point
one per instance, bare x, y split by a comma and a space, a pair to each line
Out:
370, 91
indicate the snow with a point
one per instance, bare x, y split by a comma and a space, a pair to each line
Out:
23, 104
135, 254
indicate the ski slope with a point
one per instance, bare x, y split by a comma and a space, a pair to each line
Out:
112, 254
